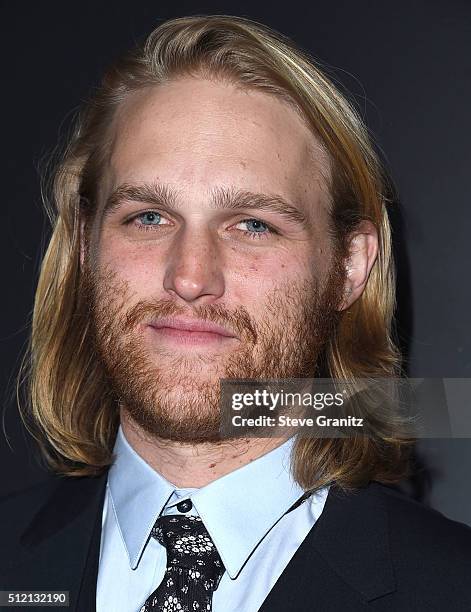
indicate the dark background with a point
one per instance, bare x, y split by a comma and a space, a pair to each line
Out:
407, 65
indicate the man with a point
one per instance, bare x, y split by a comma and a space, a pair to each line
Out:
220, 214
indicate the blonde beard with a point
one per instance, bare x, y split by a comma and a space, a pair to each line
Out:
181, 401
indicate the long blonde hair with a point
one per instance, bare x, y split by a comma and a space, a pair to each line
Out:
69, 408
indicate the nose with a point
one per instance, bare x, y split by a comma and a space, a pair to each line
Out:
194, 268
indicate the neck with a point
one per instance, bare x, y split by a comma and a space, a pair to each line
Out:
188, 465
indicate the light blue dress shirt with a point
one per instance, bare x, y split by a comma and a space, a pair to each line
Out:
244, 513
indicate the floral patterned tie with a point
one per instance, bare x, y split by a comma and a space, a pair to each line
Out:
194, 567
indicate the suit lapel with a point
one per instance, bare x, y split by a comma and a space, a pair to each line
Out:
344, 561
59, 550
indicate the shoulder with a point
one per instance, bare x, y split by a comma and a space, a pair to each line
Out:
422, 520
47, 506
423, 537
19, 507
18, 510
384, 543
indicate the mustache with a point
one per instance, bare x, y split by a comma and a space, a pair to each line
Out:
237, 320
95, 294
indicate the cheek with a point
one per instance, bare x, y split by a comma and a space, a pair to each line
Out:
305, 262
321, 261
141, 268
250, 280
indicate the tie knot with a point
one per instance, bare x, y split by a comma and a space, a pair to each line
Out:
190, 546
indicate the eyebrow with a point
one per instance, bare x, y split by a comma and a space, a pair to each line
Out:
222, 198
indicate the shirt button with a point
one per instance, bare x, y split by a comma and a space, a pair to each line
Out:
185, 505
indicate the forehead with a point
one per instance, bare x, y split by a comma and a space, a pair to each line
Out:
196, 133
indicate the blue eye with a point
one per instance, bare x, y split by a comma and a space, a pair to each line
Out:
255, 226
150, 218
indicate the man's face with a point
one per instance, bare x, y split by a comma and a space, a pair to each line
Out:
211, 256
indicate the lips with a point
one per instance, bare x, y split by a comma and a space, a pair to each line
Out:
191, 325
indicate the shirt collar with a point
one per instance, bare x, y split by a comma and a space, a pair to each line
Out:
240, 508
138, 495
236, 510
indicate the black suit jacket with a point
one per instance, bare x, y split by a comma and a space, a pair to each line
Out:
373, 549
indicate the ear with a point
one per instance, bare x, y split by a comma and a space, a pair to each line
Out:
363, 251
